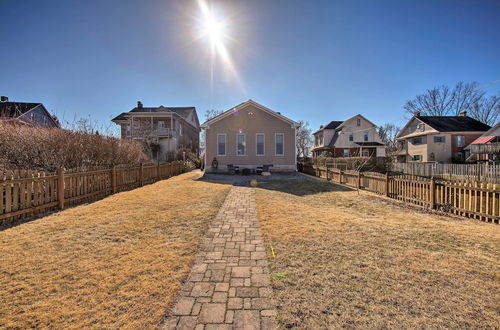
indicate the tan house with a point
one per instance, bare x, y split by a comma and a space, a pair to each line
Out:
354, 137
250, 136
438, 138
163, 129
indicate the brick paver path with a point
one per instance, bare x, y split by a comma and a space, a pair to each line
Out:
229, 284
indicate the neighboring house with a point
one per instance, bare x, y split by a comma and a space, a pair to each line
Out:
438, 138
250, 136
486, 148
163, 129
354, 137
23, 113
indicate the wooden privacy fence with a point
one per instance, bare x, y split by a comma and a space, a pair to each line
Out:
478, 172
42, 192
473, 199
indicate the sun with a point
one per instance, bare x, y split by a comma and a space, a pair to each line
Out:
211, 26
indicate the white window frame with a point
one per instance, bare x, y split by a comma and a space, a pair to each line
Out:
457, 138
263, 144
161, 124
350, 136
244, 144
366, 136
276, 142
348, 152
225, 144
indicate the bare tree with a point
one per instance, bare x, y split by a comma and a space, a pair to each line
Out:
303, 139
388, 133
443, 101
486, 110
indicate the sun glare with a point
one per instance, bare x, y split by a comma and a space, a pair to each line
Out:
215, 30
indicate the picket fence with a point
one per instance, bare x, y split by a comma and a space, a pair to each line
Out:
38, 192
478, 172
473, 199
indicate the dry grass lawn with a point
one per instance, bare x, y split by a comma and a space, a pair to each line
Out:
354, 260
115, 263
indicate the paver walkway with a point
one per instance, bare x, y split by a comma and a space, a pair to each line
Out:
229, 284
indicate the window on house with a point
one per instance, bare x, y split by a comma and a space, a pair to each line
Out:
351, 136
417, 140
127, 130
366, 153
439, 139
402, 145
365, 137
432, 157
259, 145
421, 127
240, 142
221, 144
458, 156
346, 152
358, 122
459, 140
280, 150
417, 158
161, 124
180, 129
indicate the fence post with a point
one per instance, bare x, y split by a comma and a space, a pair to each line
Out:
113, 179
326, 172
387, 184
158, 171
432, 196
340, 175
141, 172
60, 187
359, 180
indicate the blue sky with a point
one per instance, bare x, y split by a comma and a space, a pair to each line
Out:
311, 60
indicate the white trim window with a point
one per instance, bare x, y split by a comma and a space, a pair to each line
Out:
351, 137
279, 144
365, 137
260, 140
240, 144
460, 140
221, 144
346, 152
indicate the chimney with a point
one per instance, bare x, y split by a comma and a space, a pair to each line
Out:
463, 114
4, 99
139, 104
417, 113
321, 127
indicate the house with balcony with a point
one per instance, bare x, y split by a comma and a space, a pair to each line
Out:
354, 137
441, 139
163, 130
486, 148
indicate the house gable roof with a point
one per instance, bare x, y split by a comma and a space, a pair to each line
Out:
240, 106
445, 124
15, 110
183, 112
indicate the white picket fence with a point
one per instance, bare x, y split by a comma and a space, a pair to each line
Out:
478, 172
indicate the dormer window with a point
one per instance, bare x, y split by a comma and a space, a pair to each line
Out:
421, 127
358, 122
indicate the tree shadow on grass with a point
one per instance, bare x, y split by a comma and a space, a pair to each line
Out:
290, 183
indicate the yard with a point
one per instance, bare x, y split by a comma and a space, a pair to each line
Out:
114, 263
349, 260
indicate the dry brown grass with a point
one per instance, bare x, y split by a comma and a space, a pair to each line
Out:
114, 263
361, 261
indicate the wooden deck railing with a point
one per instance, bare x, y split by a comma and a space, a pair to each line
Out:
44, 192
473, 199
